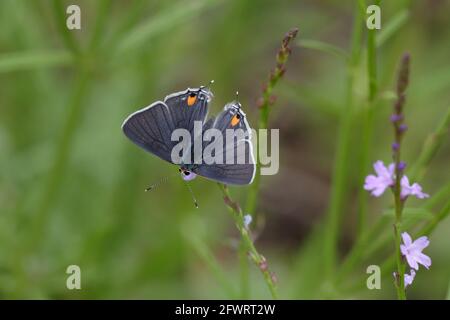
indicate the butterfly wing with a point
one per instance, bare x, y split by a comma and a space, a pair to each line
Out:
242, 169
186, 107
151, 128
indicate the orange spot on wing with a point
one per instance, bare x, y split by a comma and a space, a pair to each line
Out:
191, 100
235, 120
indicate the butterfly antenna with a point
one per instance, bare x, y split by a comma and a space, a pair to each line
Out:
237, 99
192, 194
153, 186
157, 184
208, 86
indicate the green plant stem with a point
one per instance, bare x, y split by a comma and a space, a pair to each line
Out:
257, 258
323, 47
244, 271
400, 283
441, 215
399, 129
265, 103
372, 62
102, 15
440, 195
367, 129
134, 10
62, 152
51, 187
392, 26
430, 148
398, 123
341, 169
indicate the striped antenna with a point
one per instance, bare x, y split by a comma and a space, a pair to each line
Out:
192, 194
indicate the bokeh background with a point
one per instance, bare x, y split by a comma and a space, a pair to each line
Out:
71, 184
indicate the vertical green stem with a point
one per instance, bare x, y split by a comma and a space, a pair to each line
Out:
102, 14
266, 101
244, 271
343, 146
397, 119
400, 285
367, 129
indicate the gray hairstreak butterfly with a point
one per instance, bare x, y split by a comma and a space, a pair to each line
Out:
151, 128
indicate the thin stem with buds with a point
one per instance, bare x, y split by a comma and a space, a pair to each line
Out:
256, 257
399, 130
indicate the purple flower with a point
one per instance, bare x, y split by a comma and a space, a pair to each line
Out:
409, 278
403, 128
384, 179
395, 146
411, 190
401, 166
412, 251
396, 117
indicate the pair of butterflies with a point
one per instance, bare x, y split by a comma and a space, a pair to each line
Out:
151, 128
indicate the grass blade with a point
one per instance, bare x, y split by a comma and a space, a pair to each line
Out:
323, 47
16, 61
430, 148
170, 17
392, 27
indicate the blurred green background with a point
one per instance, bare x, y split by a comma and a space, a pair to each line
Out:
71, 184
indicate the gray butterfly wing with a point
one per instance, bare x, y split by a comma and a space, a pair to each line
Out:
151, 129
242, 169
186, 107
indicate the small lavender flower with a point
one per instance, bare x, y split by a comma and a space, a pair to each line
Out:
411, 190
403, 127
401, 166
412, 251
384, 179
247, 220
396, 117
409, 278
395, 146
